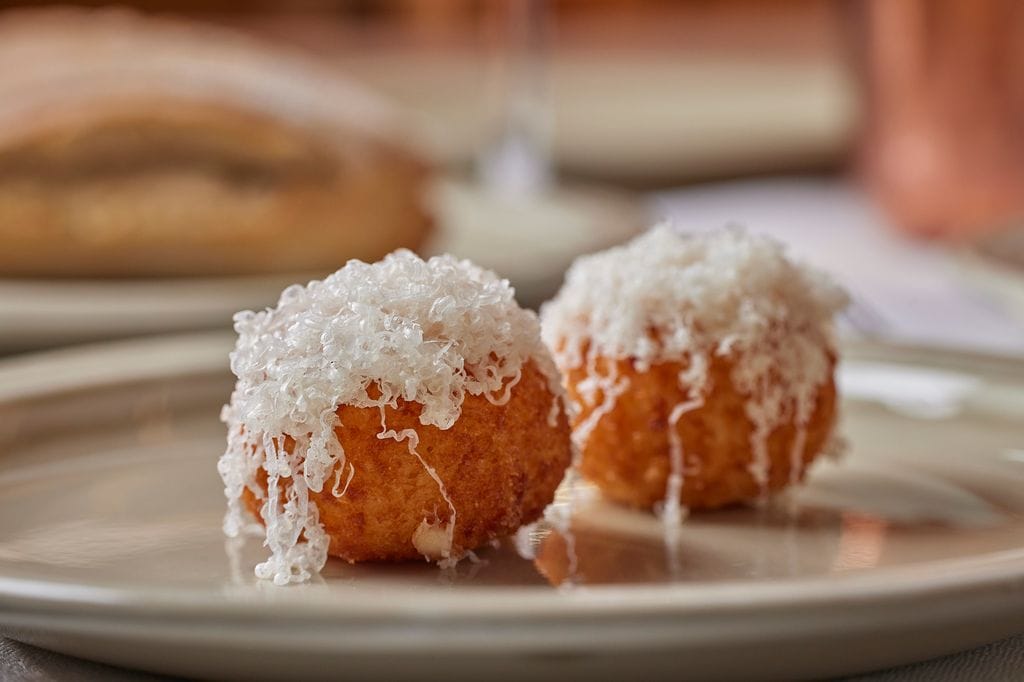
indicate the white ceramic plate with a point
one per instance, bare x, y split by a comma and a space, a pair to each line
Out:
110, 545
995, 265
36, 313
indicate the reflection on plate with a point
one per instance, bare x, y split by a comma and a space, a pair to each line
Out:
110, 545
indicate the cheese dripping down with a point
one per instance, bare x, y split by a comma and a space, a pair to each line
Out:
667, 297
369, 335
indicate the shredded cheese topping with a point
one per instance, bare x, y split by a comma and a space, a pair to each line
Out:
428, 332
668, 297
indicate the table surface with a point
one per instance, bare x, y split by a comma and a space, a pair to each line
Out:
1003, 660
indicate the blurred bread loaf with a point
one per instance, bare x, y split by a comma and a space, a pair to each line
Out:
140, 146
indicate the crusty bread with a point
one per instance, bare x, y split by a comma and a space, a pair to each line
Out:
140, 146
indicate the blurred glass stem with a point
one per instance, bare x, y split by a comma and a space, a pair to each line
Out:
517, 162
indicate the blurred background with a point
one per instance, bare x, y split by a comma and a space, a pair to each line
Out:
164, 164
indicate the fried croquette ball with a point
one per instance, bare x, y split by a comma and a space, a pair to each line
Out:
397, 410
500, 464
628, 454
699, 369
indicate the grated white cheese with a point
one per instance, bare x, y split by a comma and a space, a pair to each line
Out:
428, 332
668, 297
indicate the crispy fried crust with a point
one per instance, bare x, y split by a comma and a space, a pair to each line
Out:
500, 465
627, 455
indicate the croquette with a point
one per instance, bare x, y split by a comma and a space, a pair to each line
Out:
699, 369
392, 411
498, 475
628, 450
